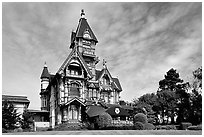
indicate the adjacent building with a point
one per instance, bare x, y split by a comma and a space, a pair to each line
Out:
20, 103
78, 85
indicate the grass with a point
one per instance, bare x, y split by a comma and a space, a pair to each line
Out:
112, 132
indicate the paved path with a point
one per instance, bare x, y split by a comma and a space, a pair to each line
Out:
112, 132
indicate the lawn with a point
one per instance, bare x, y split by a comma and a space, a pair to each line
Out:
112, 132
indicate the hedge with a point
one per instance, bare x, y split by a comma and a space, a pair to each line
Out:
139, 126
103, 120
199, 127
149, 126
185, 125
140, 117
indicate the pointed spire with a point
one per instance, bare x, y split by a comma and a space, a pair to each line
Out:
104, 64
83, 26
45, 73
82, 13
45, 65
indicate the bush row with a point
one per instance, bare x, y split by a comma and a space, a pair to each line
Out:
199, 127
141, 123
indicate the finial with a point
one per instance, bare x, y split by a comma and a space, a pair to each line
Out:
45, 65
82, 13
104, 64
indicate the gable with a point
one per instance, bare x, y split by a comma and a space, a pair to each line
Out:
70, 59
117, 83
105, 72
98, 74
83, 27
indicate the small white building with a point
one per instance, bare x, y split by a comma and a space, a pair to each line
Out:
20, 102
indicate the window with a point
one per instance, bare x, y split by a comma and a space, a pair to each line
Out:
94, 93
44, 102
105, 80
90, 93
74, 70
74, 90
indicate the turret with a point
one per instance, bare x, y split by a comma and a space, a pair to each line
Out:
44, 78
84, 40
44, 83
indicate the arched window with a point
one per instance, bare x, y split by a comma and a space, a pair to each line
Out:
105, 80
74, 69
74, 90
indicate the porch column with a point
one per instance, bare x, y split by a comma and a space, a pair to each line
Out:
66, 92
83, 92
59, 116
52, 108
69, 112
79, 112
64, 114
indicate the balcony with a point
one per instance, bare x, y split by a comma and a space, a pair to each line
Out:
74, 75
85, 42
88, 52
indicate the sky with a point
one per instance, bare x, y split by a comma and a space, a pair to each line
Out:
139, 41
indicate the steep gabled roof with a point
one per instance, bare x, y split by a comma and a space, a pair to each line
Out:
104, 71
82, 27
73, 36
73, 53
45, 73
116, 81
75, 99
98, 74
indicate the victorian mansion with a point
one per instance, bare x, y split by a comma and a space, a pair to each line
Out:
78, 85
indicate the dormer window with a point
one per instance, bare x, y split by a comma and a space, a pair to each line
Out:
74, 69
86, 34
105, 80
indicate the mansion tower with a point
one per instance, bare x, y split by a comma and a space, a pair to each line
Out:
77, 85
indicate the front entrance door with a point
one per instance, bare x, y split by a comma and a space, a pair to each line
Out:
74, 112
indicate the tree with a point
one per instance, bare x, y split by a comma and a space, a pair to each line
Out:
9, 115
166, 103
170, 81
196, 97
183, 102
26, 120
144, 104
197, 84
173, 97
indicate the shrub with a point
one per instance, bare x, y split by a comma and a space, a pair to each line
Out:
185, 125
90, 126
140, 117
149, 126
18, 130
151, 120
166, 127
50, 129
171, 127
28, 130
199, 127
4, 130
103, 120
139, 126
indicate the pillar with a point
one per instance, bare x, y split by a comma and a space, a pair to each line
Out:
52, 108
79, 118
83, 92
64, 114
59, 116
66, 92
69, 112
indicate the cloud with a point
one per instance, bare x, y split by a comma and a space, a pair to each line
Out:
140, 41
